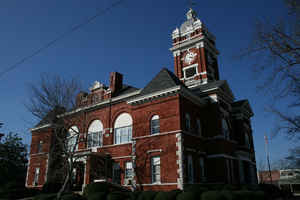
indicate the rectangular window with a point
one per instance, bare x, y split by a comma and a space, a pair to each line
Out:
40, 147
123, 135
190, 169
94, 139
116, 173
155, 169
36, 176
202, 169
72, 143
128, 170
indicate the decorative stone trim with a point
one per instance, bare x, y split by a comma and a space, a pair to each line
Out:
179, 154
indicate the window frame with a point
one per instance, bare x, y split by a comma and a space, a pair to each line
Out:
155, 170
118, 136
154, 128
189, 67
116, 173
72, 138
190, 168
40, 147
199, 127
226, 132
36, 176
128, 170
187, 120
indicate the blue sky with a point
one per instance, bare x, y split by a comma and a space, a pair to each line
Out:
133, 38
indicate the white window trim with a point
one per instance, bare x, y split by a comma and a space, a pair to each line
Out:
154, 117
189, 67
101, 140
130, 141
152, 167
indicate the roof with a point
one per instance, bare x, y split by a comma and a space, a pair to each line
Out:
211, 85
163, 80
126, 89
50, 116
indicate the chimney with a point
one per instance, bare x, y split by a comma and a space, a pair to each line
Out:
116, 82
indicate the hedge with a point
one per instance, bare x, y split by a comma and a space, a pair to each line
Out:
147, 195
171, 195
97, 196
118, 195
96, 188
187, 196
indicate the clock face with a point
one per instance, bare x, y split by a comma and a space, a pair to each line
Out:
189, 57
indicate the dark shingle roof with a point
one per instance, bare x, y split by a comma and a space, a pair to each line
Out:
239, 103
163, 80
50, 116
126, 89
215, 84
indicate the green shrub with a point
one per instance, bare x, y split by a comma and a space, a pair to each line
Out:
45, 197
271, 190
215, 187
147, 195
218, 195
244, 195
117, 196
259, 195
72, 197
187, 196
171, 195
96, 188
51, 187
196, 189
13, 190
97, 196
134, 195
230, 187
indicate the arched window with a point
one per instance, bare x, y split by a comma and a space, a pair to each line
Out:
95, 134
199, 127
155, 124
187, 122
72, 138
225, 128
123, 129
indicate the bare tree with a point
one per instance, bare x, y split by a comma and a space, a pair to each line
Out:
276, 49
49, 99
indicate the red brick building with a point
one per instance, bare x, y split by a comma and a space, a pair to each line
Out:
181, 128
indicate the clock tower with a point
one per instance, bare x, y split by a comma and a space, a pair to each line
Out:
195, 53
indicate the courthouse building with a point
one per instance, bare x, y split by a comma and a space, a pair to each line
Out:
184, 127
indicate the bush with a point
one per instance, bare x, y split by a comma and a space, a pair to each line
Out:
97, 196
171, 195
187, 196
271, 190
72, 197
13, 190
218, 195
96, 188
244, 194
117, 196
134, 195
45, 197
147, 195
196, 189
51, 187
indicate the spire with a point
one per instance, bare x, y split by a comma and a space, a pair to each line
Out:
191, 14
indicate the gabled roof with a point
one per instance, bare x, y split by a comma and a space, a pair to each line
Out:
163, 80
126, 89
50, 116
